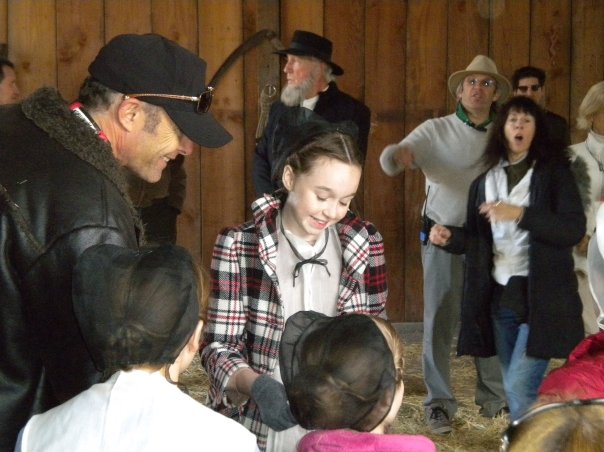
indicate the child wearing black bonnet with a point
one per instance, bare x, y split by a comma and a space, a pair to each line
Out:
141, 315
343, 378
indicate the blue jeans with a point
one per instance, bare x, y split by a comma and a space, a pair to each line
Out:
522, 374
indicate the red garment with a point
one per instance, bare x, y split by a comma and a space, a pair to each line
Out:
582, 377
352, 441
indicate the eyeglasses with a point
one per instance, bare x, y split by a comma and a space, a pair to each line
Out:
204, 100
488, 83
508, 435
524, 89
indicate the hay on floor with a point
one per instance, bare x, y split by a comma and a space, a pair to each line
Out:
471, 431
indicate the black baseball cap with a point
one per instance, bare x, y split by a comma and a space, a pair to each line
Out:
150, 63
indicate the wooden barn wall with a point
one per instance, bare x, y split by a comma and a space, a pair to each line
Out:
397, 56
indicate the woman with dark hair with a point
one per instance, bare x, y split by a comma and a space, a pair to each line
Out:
524, 216
304, 250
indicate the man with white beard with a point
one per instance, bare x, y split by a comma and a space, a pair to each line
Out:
310, 85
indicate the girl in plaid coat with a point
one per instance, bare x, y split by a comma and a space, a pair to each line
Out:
304, 250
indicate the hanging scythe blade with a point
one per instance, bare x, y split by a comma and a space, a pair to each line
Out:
253, 41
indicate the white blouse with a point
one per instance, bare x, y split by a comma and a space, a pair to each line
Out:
510, 243
134, 411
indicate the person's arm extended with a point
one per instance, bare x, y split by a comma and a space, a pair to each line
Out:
449, 238
395, 158
268, 393
224, 346
239, 386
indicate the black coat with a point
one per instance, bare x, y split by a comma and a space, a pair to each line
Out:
556, 222
334, 106
557, 127
61, 191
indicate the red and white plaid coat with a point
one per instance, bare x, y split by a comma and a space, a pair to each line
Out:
245, 318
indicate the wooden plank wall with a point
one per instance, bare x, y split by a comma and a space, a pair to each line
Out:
397, 55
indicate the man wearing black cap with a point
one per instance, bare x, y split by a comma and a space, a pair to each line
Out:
310, 77
62, 190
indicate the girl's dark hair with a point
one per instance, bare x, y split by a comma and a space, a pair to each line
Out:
301, 136
544, 148
334, 144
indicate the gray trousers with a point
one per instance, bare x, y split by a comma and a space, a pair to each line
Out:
443, 281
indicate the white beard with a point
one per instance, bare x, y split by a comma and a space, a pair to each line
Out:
293, 96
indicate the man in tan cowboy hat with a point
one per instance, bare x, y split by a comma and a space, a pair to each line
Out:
310, 84
448, 151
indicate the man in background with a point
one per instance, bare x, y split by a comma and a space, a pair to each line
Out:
310, 84
9, 91
529, 81
448, 150
62, 190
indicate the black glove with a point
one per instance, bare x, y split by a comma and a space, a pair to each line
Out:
271, 399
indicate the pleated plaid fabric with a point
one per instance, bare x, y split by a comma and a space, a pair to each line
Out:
245, 318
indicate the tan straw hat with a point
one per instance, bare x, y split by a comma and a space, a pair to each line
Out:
481, 64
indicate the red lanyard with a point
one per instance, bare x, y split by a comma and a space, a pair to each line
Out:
78, 111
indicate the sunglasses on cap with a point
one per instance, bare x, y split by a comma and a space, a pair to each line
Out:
533, 88
508, 435
204, 100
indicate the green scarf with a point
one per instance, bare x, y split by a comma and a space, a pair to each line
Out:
463, 115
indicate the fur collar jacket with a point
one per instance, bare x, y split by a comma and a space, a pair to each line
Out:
61, 191
47, 109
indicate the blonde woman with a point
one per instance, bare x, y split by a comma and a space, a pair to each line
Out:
591, 119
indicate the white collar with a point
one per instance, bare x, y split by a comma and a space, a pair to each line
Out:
310, 103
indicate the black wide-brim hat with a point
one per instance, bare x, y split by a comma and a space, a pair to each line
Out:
150, 63
305, 43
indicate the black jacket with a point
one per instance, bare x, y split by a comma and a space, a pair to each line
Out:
556, 222
334, 106
558, 127
61, 191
